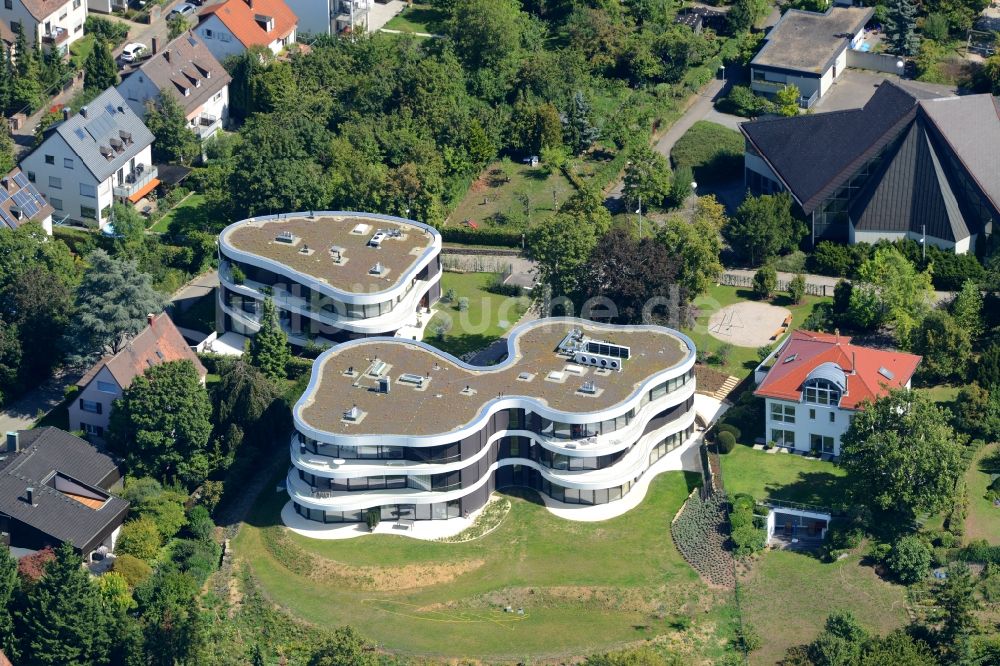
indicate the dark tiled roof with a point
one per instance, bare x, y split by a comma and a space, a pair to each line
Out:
44, 453
813, 154
108, 122
186, 64
910, 192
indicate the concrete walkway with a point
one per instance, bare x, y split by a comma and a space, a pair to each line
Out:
201, 286
700, 109
23, 413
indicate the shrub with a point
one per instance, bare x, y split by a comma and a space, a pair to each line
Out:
945, 539
140, 538
909, 559
713, 153
797, 288
726, 442
463, 303
877, 552
196, 558
449, 296
372, 518
134, 570
765, 281
980, 551
729, 427
747, 638
742, 101
467, 236
237, 274
746, 536
699, 535
102, 28
32, 567
199, 523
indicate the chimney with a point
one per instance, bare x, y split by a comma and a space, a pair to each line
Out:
83, 111
67, 112
166, 55
854, 363
836, 332
30, 493
154, 45
13, 442
150, 317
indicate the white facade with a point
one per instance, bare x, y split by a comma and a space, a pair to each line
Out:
106, 6
805, 427
221, 41
497, 448
961, 247
205, 120
66, 182
316, 17
91, 410
58, 30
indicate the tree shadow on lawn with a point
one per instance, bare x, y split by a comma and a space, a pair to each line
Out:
819, 488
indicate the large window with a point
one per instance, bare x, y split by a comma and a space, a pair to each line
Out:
782, 413
783, 437
87, 190
821, 443
90, 406
821, 392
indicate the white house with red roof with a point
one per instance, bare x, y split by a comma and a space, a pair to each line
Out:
814, 383
233, 26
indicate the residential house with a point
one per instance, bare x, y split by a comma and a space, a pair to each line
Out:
160, 342
814, 383
905, 165
330, 17
808, 50
21, 203
53, 23
56, 488
186, 69
89, 160
231, 27
106, 6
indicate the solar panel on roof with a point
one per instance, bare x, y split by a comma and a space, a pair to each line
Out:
80, 134
3, 195
21, 179
30, 209
8, 219
21, 197
33, 191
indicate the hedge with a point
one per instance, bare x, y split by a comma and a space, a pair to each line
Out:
726, 441
980, 551
469, 236
713, 152
729, 427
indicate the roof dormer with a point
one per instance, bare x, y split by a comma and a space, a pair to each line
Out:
265, 22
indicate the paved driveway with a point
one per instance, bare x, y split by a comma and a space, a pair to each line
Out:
23, 413
855, 87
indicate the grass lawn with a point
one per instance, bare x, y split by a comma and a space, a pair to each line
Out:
503, 197
741, 359
783, 476
583, 586
192, 214
983, 521
941, 394
418, 18
787, 597
80, 49
489, 315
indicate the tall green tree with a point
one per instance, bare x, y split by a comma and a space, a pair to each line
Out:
647, 178
6, 151
269, 350
38, 304
764, 228
100, 70
173, 628
175, 141
161, 425
130, 232
901, 455
61, 622
956, 604
967, 308
697, 245
247, 399
889, 291
112, 303
787, 100
561, 246
27, 74
945, 346
8, 591
489, 37
900, 27
579, 132
744, 14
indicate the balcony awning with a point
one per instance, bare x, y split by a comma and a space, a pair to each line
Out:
144, 190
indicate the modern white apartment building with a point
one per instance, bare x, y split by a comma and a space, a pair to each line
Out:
92, 159
51, 23
186, 69
578, 411
814, 383
334, 276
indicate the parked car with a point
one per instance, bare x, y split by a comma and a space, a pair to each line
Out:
183, 9
133, 52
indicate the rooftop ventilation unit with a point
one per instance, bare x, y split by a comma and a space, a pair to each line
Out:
377, 269
395, 233
352, 414
376, 240
598, 360
378, 367
305, 249
337, 253
589, 388
285, 237
360, 229
886, 372
384, 384
409, 378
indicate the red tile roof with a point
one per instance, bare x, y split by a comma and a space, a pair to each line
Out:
160, 342
239, 17
806, 350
